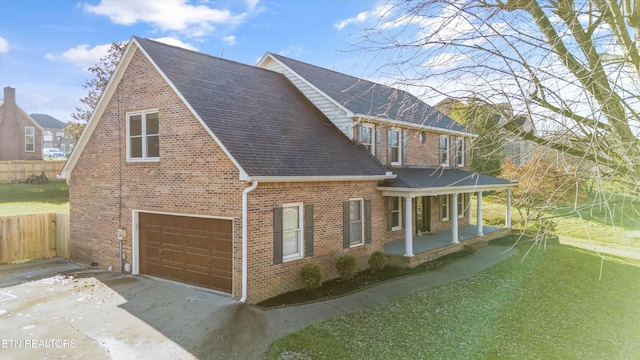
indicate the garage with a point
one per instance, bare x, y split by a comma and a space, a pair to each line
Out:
193, 250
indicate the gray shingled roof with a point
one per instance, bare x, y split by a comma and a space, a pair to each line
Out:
262, 119
48, 121
422, 178
365, 97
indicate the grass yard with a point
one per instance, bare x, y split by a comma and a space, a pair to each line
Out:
549, 305
22, 199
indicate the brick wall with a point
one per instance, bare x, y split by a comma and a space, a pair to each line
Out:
12, 131
265, 278
193, 175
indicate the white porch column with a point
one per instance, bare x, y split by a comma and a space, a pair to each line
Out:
454, 218
507, 219
479, 220
408, 226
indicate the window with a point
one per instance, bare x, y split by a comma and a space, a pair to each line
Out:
395, 212
393, 144
292, 221
356, 215
292, 232
29, 139
143, 136
460, 152
366, 137
444, 207
63, 148
423, 137
356, 225
461, 207
444, 150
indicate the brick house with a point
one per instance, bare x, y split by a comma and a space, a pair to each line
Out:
54, 136
232, 177
20, 135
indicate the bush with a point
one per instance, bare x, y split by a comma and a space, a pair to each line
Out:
496, 221
311, 276
346, 266
377, 261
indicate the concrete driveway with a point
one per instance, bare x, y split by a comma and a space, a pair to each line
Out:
56, 309
89, 314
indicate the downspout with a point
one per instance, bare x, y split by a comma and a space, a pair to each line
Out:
245, 211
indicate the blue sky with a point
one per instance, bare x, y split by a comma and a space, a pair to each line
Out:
46, 45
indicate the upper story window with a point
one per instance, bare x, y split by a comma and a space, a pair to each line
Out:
143, 136
366, 137
460, 152
394, 147
444, 150
29, 139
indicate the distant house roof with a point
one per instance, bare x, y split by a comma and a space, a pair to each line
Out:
47, 121
268, 126
372, 99
443, 180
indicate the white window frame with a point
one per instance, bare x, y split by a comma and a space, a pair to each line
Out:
28, 136
445, 150
372, 145
399, 162
444, 203
460, 150
399, 211
143, 114
361, 202
460, 205
300, 231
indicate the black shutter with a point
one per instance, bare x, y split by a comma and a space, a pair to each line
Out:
405, 146
402, 211
389, 213
308, 230
345, 225
277, 235
378, 142
388, 146
367, 221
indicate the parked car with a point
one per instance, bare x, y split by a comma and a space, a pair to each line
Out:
54, 155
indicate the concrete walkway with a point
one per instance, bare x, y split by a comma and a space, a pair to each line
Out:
290, 319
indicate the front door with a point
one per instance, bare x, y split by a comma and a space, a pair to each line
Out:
423, 214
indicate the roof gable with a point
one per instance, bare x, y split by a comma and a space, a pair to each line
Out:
363, 97
263, 123
47, 121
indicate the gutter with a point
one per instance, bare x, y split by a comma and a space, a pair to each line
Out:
388, 176
245, 195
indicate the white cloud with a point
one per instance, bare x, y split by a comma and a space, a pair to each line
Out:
167, 15
229, 40
176, 42
4, 45
292, 51
379, 12
82, 55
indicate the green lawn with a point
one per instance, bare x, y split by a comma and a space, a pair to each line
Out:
21, 199
549, 305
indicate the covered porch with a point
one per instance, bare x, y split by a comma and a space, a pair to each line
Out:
450, 186
427, 247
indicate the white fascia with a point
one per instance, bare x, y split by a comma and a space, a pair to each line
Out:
359, 117
396, 191
387, 176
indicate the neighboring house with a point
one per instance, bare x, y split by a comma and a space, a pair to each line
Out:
514, 148
54, 136
232, 177
20, 135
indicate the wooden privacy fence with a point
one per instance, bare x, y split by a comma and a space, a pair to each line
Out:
15, 171
38, 236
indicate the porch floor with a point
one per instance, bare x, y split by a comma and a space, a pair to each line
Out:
428, 242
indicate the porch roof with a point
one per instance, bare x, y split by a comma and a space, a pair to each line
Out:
426, 181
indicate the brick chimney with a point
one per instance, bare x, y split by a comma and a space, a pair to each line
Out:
9, 95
